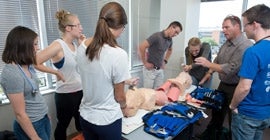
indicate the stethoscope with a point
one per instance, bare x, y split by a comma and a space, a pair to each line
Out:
33, 85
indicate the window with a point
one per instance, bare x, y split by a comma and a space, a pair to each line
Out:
210, 29
87, 11
14, 13
144, 23
255, 2
27, 14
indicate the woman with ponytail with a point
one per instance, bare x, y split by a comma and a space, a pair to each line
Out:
103, 66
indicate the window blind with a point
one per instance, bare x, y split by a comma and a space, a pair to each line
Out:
14, 13
87, 11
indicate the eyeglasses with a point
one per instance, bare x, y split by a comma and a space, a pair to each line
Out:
249, 23
78, 25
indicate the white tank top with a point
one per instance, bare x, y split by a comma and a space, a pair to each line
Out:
69, 70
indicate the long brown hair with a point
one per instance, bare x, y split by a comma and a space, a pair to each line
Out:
112, 15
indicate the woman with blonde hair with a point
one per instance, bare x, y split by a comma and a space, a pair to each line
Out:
197, 49
62, 53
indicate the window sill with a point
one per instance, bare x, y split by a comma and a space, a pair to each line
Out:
4, 100
47, 91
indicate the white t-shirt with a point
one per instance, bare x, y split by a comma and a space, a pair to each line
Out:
98, 105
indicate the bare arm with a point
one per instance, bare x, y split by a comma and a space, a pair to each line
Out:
51, 52
18, 104
215, 67
120, 97
88, 41
166, 57
240, 92
132, 81
142, 48
46, 69
168, 54
206, 77
119, 94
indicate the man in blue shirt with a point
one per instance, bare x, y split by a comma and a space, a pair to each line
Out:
251, 101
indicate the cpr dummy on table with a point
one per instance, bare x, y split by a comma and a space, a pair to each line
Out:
146, 98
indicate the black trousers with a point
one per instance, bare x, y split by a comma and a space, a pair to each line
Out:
67, 106
218, 116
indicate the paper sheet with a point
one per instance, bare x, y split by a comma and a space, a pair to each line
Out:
132, 123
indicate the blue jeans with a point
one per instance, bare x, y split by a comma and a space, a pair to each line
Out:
153, 78
42, 127
111, 131
246, 128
